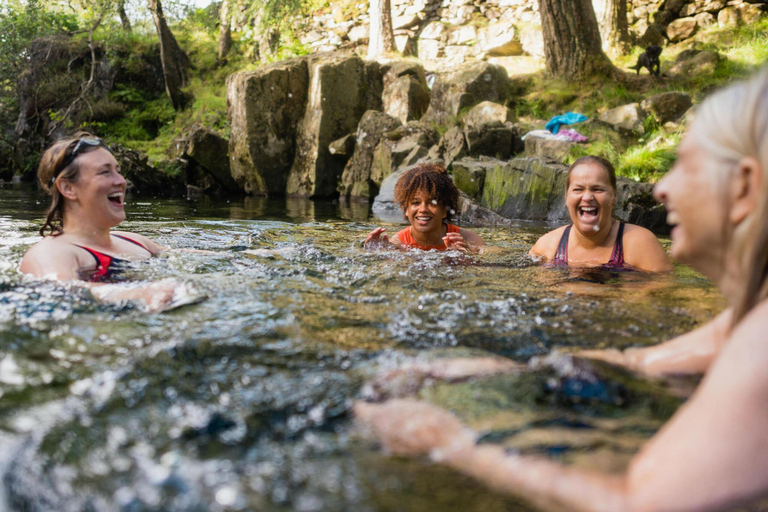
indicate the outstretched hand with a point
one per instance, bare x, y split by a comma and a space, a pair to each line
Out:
456, 242
376, 239
411, 427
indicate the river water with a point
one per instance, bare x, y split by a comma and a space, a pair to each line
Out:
241, 402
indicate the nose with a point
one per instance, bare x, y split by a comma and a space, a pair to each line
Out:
119, 179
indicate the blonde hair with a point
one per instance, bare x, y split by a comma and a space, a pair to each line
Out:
733, 124
52, 158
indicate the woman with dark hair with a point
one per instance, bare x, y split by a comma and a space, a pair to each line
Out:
87, 199
712, 454
429, 198
594, 237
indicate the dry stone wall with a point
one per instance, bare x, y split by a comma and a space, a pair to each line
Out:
444, 33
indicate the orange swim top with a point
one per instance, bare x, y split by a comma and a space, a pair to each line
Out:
406, 238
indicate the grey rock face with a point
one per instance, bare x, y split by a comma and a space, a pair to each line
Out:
265, 107
356, 180
557, 150
466, 87
336, 101
211, 152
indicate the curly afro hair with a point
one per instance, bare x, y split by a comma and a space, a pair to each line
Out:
431, 179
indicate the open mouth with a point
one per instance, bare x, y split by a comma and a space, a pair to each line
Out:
116, 198
588, 213
423, 220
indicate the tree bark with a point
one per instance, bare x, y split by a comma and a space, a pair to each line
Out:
225, 30
175, 62
572, 46
123, 16
614, 28
381, 37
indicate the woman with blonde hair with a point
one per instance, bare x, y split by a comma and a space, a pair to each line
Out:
87, 193
712, 453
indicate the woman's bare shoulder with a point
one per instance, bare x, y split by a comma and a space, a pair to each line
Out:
38, 259
546, 245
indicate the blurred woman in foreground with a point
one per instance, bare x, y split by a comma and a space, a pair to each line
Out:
712, 453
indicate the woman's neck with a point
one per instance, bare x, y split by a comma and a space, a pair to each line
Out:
86, 231
595, 239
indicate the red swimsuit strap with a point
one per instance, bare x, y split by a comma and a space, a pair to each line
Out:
406, 238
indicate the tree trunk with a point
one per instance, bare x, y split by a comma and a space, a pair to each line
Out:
572, 40
612, 22
225, 30
175, 62
123, 16
381, 37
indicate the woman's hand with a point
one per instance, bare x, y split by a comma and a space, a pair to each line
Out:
376, 239
456, 242
410, 428
153, 297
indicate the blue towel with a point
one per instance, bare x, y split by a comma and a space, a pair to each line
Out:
554, 124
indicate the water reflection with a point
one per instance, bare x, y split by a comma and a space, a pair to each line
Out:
241, 402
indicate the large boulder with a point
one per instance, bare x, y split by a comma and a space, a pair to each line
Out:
405, 95
210, 151
701, 6
739, 14
667, 106
466, 87
693, 63
628, 118
682, 28
403, 146
555, 149
488, 130
265, 107
143, 178
452, 146
336, 101
356, 180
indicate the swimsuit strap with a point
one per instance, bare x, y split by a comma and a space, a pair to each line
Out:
131, 240
406, 238
617, 256
561, 256
103, 261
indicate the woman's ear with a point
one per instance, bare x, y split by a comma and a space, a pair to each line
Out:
744, 189
66, 189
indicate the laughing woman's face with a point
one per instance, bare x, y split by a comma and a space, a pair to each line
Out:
590, 199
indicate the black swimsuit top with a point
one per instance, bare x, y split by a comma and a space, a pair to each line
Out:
617, 256
106, 267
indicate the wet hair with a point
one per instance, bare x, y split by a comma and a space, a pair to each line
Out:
432, 180
48, 173
597, 160
732, 124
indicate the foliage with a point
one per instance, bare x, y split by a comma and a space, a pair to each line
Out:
641, 163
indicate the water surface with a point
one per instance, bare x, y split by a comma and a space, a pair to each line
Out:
241, 402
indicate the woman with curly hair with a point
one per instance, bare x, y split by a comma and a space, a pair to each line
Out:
429, 199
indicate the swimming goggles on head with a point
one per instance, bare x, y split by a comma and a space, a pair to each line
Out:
81, 144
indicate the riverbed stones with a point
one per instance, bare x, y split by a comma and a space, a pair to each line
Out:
356, 180
465, 87
336, 100
667, 106
265, 107
628, 117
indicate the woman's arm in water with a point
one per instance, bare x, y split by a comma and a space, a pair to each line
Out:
690, 353
711, 455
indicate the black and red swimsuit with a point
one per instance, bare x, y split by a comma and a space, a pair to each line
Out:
107, 267
617, 256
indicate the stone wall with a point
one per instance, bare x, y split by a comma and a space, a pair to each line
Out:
444, 33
